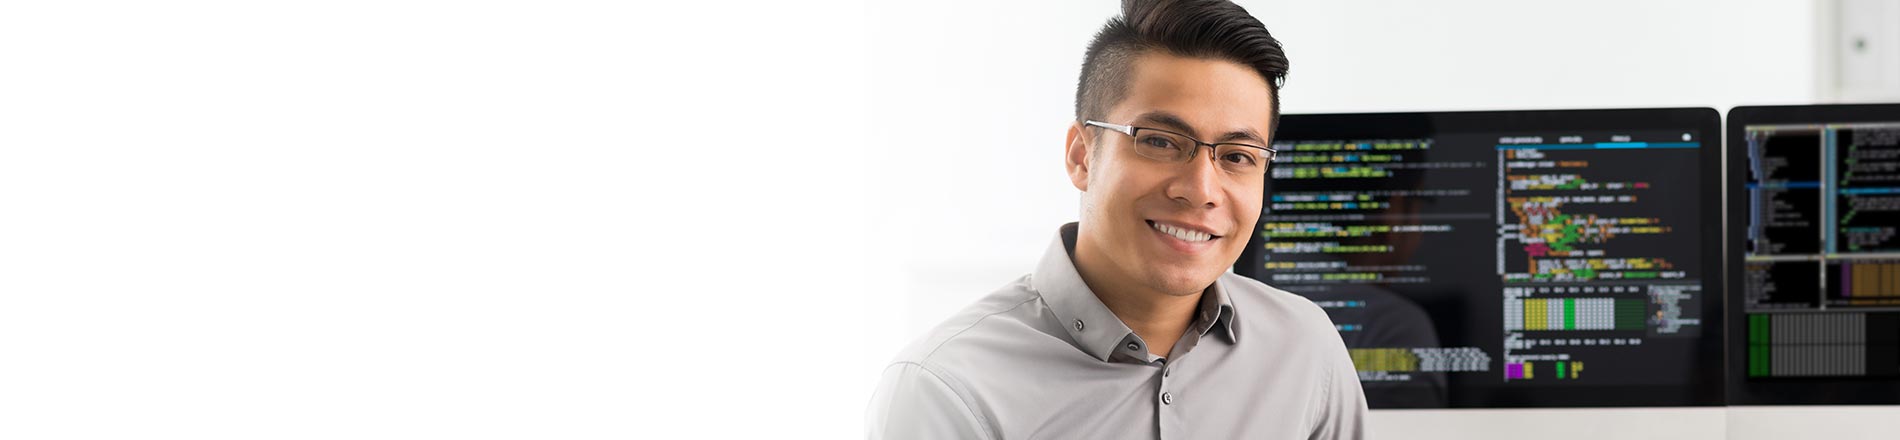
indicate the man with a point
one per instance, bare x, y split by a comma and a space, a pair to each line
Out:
1130, 327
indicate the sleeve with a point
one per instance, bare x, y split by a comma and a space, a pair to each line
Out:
1342, 406
913, 403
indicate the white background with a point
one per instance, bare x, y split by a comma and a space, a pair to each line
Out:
432, 219
403, 219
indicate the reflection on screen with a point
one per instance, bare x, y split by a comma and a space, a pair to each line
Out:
1455, 263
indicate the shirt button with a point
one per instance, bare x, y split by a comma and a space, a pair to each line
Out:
1167, 399
1133, 347
1078, 325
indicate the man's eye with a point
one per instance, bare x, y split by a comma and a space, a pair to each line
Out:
1241, 158
1158, 142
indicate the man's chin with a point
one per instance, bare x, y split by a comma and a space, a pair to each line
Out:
1183, 284
1175, 275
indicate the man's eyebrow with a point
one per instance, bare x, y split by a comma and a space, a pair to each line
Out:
1171, 122
1168, 121
1244, 134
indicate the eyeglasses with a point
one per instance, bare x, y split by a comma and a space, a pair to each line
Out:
1177, 148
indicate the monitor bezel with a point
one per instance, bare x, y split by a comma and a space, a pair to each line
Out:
1784, 391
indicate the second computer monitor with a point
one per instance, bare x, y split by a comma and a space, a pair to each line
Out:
1816, 316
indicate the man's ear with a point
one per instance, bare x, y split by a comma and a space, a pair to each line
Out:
1076, 157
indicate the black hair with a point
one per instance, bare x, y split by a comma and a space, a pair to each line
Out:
1215, 29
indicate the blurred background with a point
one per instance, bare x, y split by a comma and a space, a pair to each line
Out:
576, 219
983, 91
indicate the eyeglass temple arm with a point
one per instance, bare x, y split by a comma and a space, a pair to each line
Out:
1127, 130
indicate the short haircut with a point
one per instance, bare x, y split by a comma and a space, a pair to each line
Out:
1215, 29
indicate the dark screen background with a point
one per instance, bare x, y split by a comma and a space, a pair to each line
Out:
1410, 231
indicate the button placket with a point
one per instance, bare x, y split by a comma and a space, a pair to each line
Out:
1166, 414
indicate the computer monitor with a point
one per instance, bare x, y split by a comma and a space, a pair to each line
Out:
1816, 316
1506, 259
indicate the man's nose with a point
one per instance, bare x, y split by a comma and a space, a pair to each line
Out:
1198, 184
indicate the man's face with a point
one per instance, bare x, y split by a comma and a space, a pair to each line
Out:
1130, 202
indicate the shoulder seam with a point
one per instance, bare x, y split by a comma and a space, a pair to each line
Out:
933, 350
1315, 417
955, 388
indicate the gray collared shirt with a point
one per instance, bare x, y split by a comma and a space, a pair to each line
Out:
1043, 358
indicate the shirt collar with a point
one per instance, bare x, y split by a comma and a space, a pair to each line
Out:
1095, 329
1217, 309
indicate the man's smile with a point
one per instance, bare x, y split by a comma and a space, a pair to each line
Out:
1183, 237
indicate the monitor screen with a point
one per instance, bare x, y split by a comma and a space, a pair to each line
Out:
1506, 259
1816, 319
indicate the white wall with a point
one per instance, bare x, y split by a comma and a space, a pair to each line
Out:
1859, 51
433, 219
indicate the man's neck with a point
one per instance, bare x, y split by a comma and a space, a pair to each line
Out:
1159, 318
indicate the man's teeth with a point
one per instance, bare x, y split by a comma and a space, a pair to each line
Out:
1183, 234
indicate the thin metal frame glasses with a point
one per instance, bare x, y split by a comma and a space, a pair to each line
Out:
1177, 148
